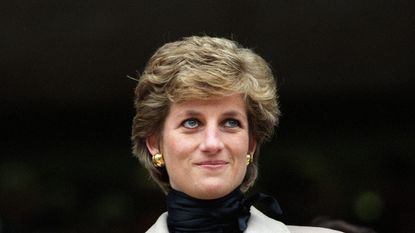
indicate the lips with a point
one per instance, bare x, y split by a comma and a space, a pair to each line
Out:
212, 163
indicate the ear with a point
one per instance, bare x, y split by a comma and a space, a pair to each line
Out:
152, 144
252, 145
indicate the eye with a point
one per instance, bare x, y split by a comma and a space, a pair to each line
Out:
231, 123
190, 123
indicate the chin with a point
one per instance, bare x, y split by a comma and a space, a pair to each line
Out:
214, 190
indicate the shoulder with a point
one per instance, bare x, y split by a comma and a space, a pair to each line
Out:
301, 229
259, 222
160, 226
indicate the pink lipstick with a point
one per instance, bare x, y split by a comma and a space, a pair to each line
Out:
212, 164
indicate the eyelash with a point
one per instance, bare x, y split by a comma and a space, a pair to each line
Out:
194, 120
238, 123
188, 120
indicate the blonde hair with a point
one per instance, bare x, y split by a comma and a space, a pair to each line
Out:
203, 67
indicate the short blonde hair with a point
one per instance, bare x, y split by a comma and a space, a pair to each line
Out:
203, 67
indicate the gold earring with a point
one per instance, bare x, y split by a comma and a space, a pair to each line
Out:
158, 160
249, 159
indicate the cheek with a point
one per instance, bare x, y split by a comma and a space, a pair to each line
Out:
239, 148
242, 163
240, 144
175, 148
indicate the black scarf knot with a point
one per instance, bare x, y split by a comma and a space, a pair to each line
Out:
228, 214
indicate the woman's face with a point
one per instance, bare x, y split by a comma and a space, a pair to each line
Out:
205, 144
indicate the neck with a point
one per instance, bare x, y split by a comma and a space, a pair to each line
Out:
205, 202
188, 214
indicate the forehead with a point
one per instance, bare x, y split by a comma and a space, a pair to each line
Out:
197, 84
232, 104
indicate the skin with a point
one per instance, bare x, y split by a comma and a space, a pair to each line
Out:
204, 144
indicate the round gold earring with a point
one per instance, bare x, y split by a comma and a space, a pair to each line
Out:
158, 160
249, 159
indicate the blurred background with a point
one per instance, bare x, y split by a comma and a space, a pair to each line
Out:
344, 148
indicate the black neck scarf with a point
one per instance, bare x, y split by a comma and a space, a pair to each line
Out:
228, 214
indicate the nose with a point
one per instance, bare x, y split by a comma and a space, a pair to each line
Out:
211, 142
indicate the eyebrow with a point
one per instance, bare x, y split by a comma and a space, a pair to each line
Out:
193, 113
234, 113
189, 113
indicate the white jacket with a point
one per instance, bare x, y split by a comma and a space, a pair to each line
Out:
257, 223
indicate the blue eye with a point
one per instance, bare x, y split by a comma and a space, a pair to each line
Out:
232, 123
190, 123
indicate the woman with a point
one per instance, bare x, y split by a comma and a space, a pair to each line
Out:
204, 106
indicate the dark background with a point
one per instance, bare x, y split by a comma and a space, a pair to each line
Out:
344, 148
